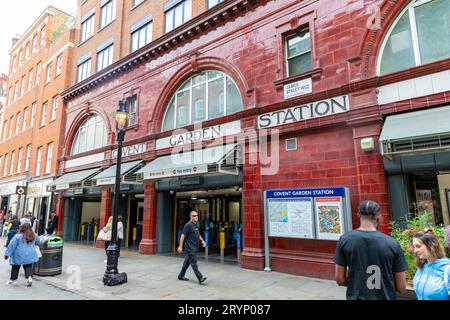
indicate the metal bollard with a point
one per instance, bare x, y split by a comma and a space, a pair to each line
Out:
95, 234
222, 245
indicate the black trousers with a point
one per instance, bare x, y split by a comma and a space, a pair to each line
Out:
15, 271
191, 259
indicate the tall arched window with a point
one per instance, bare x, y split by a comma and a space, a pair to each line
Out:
206, 95
419, 35
91, 135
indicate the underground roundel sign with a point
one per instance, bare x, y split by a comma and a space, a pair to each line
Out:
21, 190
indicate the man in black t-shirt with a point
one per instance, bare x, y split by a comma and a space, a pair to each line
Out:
190, 237
376, 263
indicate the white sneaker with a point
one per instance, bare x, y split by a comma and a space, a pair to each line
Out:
29, 281
11, 282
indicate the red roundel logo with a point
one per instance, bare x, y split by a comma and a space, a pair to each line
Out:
174, 171
194, 169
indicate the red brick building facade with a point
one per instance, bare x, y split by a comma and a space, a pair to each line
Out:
317, 72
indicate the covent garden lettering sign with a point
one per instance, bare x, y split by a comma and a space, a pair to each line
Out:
308, 111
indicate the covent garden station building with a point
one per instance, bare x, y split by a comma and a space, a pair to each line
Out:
271, 119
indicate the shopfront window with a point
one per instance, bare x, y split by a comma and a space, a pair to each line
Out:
420, 35
91, 135
205, 96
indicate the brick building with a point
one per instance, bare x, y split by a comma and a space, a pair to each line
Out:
34, 114
290, 107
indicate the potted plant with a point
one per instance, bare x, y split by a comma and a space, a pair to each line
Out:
417, 223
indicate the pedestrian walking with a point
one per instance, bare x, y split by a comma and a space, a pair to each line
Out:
432, 278
190, 238
105, 234
376, 263
119, 233
26, 219
52, 223
13, 229
22, 252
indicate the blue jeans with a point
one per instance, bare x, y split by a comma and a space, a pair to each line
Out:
11, 234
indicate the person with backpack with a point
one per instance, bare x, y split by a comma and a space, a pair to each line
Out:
22, 252
375, 261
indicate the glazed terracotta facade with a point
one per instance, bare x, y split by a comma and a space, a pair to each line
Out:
246, 41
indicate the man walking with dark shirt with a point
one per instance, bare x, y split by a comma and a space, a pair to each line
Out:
190, 237
376, 263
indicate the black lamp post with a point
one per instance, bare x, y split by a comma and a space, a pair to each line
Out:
112, 276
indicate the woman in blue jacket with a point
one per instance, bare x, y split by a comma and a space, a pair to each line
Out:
432, 279
21, 252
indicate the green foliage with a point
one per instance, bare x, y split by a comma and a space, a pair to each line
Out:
418, 223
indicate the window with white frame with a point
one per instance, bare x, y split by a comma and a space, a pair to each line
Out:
38, 73
5, 168
107, 13
10, 95
43, 37
5, 129
22, 85
33, 114
59, 64
176, 16
28, 157
419, 35
298, 52
49, 72
132, 110
141, 36
16, 90
48, 162
10, 127
27, 51
104, 58
84, 70
25, 119
87, 28
19, 161
30, 79
18, 119
212, 3
20, 57
44, 114
34, 43
38, 162
206, 95
54, 107
13, 163
91, 135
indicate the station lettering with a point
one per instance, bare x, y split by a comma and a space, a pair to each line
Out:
195, 136
313, 110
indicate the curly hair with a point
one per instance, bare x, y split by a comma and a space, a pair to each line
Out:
431, 241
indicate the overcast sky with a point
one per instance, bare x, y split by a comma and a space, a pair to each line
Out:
17, 15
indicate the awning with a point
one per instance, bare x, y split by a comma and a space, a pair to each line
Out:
221, 159
73, 180
423, 130
127, 173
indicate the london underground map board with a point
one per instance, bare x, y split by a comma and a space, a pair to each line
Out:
323, 213
291, 218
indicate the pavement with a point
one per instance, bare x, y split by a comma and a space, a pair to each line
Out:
154, 277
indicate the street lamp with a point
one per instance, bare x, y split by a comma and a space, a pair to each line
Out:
112, 276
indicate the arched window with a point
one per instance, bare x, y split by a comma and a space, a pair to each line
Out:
206, 95
91, 135
419, 35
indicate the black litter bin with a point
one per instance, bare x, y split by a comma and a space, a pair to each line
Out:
50, 263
